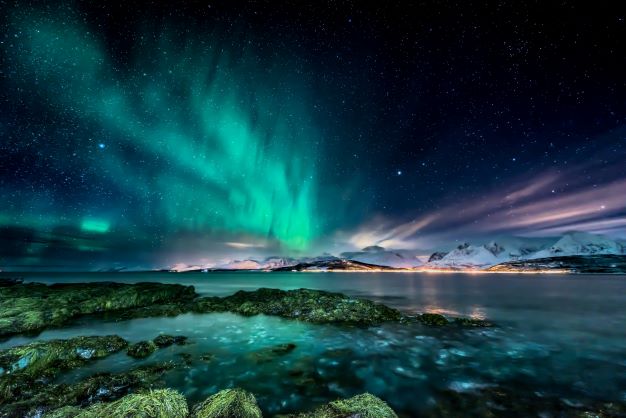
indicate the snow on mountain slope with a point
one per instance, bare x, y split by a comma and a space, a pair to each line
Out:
580, 243
382, 257
468, 256
519, 248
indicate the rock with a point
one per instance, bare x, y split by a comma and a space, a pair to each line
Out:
436, 256
361, 406
165, 340
268, 354
229, 403
472, 322
207, 357
303, 304
160, 403
10, 281
64, 412
102, 387
32, 307
432, 319
28, 366
142, 349
186, 358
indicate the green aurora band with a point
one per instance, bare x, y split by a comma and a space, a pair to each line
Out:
231, 131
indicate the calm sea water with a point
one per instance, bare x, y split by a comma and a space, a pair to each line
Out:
563, 336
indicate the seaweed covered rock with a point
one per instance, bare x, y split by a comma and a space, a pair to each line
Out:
472, 322
362, 406
25, 368
64, 412
268, 354
102, 387
165, 340
229, 403
437, 320
142, 349
308, 305
432, 319
160, 403
32, 307
48, 357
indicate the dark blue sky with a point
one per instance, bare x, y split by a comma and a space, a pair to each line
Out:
137, 133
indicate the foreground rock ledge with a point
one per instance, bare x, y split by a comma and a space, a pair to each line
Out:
229, 403
33, 307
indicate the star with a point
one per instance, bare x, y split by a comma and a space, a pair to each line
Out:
102, 145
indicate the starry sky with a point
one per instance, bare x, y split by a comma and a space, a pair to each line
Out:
145, 134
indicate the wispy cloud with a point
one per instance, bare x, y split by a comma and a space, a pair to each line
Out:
546, 204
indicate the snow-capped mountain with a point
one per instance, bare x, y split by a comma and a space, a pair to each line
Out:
581, 243
464, 256
468, 256
382, 257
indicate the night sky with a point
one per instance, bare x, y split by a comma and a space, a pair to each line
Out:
145, 134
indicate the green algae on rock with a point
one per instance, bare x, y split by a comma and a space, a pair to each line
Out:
102, 387
45, 358
228, 403
32, 307
362, 406
308, 305
26, 368
142, 349
160, 403
165, 340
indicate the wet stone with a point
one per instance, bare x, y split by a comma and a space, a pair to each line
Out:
142, 349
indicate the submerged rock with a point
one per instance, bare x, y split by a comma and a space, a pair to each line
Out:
165, 340
303, 304
32, 307
268, 354
361, 406
229, 403
142, 349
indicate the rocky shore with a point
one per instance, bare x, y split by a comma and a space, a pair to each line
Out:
29, 373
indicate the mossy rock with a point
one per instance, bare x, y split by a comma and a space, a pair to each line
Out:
361, 406
432, 319
32, 307
64, 412
142, 349
229, 403
28, 367
160, 403
472, 322
308, 305
49, 357
102, 387
165, 340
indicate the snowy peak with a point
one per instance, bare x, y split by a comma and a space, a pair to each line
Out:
581, 243
388, 258
519, 249
467, 256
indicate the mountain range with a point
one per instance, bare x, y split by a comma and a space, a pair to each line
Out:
509, 254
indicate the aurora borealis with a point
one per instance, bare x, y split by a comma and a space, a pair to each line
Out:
144, 135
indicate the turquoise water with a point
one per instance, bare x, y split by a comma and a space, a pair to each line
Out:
562, 336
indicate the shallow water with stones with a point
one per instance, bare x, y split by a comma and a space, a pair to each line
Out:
561, 336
